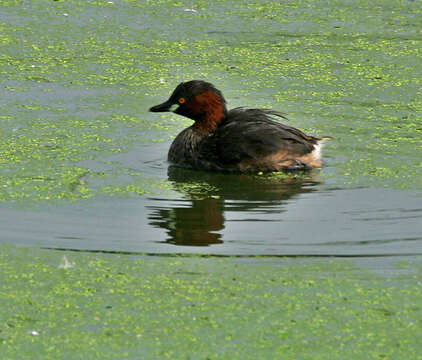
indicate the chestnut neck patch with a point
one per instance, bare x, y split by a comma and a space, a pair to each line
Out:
208, 110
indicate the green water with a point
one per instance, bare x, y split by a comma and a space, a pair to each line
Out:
79, 76
82, 166
192, 308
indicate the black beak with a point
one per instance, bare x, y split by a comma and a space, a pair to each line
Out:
165, 106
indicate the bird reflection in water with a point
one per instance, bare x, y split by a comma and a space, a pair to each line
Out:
195, 225
199, 220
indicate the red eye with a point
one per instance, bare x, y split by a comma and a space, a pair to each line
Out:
181, 100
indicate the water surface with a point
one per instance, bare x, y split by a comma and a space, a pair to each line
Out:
83, 163
213, 213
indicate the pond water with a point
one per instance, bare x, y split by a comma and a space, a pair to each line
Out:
83, 164
213, 213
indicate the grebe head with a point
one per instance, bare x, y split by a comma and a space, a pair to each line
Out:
198, 100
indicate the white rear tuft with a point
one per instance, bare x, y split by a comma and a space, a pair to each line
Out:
318, 147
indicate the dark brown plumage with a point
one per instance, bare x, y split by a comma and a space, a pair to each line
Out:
239, 140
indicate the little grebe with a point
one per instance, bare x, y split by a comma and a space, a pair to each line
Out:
239, 140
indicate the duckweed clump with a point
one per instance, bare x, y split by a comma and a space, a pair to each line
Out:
66, 305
